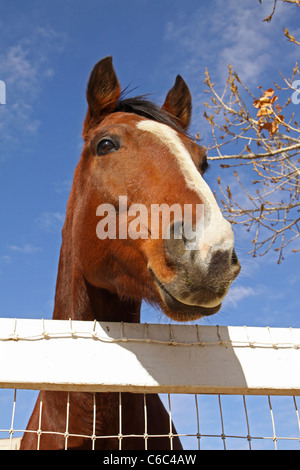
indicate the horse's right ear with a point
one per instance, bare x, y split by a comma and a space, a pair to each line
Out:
103, 92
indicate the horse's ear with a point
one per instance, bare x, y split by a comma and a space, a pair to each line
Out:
179, 102
103, 92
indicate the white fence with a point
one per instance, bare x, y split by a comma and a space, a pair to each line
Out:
224, 387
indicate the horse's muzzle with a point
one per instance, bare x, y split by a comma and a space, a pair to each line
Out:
201, 278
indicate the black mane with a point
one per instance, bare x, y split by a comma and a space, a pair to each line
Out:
143, 107
146, 108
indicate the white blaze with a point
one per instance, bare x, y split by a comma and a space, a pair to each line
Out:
217, 231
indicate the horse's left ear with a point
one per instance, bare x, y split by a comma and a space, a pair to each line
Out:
179, 102
103, 92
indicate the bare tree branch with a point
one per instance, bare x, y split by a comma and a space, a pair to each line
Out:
267, 138
264, 191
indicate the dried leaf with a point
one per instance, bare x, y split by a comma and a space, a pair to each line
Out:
264, 99
271, 127
264, 111
274, 127
269, 92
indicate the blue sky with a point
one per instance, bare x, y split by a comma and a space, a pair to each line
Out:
47, 50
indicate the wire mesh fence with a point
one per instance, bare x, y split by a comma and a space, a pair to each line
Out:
203, 422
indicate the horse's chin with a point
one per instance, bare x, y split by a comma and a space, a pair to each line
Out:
180, 311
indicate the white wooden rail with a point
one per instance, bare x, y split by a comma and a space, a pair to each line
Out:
92, 356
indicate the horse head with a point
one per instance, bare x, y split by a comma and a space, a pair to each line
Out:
162, 236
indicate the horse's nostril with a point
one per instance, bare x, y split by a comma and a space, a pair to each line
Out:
234, 258
235, 264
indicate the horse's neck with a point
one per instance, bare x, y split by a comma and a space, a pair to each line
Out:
77, 299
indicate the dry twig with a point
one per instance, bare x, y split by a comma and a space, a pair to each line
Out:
268, 142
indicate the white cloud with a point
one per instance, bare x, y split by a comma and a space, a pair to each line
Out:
26, 249
21, 70
51, 220
63, 186
25, 66
6, 259
223, 32
238, 293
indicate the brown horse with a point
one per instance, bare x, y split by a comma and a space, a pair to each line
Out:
136, 149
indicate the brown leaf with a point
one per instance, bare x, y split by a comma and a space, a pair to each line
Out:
274, 127
271, 127
279, 118
265, 100
264, 111
269, 92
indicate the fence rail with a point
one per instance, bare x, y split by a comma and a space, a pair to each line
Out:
148, 358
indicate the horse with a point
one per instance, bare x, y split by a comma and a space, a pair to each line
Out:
134, 148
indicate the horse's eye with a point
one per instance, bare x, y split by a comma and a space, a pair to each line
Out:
106, 146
